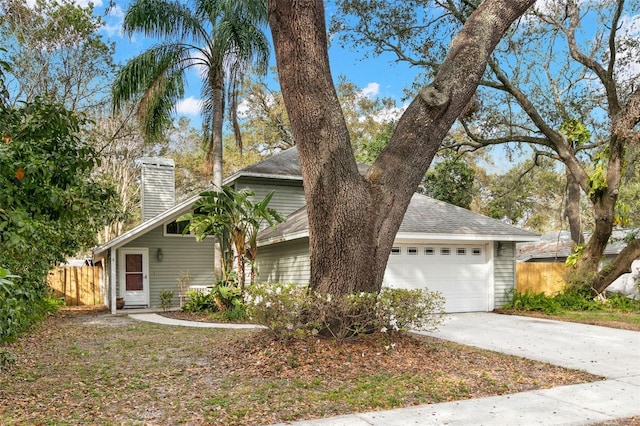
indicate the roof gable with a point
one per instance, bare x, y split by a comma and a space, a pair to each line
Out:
283, 165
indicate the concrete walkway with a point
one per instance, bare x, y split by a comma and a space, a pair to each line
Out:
611, 353
159, 319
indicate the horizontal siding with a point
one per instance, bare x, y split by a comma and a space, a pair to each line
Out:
287, 262
288, 195
158, 189
504, 273
181, 255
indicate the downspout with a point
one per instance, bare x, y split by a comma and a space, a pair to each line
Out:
112, 280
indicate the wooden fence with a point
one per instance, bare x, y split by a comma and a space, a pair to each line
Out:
78, 285
538, 277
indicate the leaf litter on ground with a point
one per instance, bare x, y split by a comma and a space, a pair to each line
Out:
91, 367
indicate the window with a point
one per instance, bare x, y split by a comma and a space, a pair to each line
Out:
395, 250
445, 251
461, 251
429, 251
175, 228
476, 251
412, 250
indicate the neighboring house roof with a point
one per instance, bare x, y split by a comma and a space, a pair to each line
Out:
282, 166
425, 218
558, 246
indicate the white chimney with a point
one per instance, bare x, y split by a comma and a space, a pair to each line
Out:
158, 192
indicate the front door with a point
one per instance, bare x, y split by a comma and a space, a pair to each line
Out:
134, 276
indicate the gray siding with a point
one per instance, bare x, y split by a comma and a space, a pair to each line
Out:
158, 186
288, 195
286, 262
181, 254
504, 272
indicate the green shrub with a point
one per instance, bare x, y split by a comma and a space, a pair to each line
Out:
528, 301
234, 313
200, 301
572, 299
218, 298
21, 306
620, 302
290, 311
166, 298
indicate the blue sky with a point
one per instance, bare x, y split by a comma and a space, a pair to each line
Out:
377, 77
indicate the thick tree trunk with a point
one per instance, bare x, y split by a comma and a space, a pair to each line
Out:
572, 208
353, 219
604, 205
620, 265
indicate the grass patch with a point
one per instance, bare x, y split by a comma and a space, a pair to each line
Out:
104, 370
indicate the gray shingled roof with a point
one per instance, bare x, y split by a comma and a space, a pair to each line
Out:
431, 216
557, 246
425, 216
284, 164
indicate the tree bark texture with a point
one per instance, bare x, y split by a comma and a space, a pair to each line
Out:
620, 265
353, 219
604, 205
572, 208
213, 160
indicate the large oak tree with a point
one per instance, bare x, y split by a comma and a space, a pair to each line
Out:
563, 82
353, 219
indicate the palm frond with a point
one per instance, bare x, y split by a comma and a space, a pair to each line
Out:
171, 20
156, 78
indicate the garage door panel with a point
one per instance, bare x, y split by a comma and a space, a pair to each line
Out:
462, 279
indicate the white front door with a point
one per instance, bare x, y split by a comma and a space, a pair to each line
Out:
134, 276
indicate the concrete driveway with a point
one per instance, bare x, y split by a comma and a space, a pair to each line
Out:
607, 352
611, 353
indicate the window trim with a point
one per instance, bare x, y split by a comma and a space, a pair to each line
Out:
172, 235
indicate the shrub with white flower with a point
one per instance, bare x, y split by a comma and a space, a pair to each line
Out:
290, 310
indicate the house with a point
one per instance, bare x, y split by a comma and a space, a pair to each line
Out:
468, 257
555, 247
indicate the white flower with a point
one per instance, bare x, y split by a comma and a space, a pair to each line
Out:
383, 330
267, 305
278, 290
257, 300
328, 298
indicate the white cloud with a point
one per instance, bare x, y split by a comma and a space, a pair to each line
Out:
390, 114
244, 109
83, 3
116, 11
371, 90
189, 106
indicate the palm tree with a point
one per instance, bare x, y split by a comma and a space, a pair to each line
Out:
234, 219
219, 38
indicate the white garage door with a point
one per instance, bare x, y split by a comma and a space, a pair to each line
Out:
459, 272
